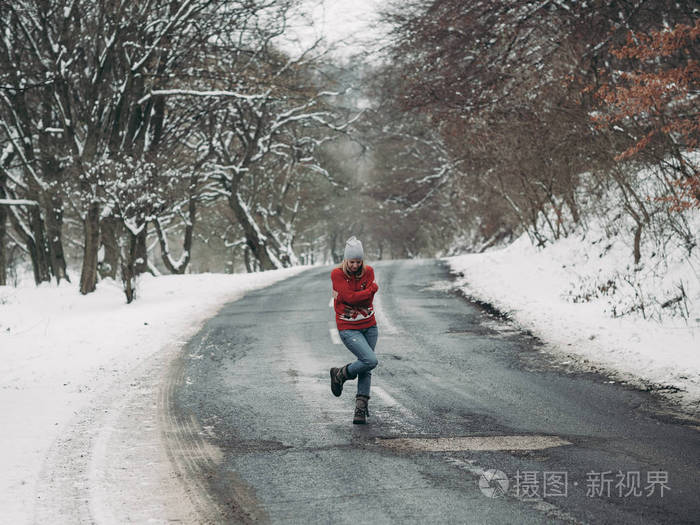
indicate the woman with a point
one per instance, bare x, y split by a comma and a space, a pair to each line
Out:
353, 290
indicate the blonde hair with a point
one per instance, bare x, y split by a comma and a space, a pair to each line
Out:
346, 269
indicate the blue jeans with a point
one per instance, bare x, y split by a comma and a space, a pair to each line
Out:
361, 343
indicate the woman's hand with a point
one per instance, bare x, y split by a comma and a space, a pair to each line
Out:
335, 294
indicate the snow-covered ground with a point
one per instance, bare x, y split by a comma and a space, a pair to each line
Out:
562, 294
71, 369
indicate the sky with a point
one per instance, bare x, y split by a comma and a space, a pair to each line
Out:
346, 26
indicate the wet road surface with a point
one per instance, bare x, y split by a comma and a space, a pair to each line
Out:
470, 422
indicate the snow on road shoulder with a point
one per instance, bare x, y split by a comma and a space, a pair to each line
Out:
533, 287
60, 352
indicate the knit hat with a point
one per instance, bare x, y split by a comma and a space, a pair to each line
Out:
353, 249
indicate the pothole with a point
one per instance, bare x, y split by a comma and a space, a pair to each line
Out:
455, 444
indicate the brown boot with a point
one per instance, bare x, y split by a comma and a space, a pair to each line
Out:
338, 377
361, 409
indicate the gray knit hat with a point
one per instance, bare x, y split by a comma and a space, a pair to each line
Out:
353, 249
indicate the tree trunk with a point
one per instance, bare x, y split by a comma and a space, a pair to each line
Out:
88, 276
35, 238
25, 234
246, 259
637, 243
284, 253
128, 280
3, 242
640, 218
54, 227
109, 233
52, 202
141, 251
3, 224
335, 255
128, 266
178, 268
573, 207
255, 240
42, 271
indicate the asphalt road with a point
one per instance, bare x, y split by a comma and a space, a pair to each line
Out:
257, 435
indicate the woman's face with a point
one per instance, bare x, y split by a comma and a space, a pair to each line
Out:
354, 264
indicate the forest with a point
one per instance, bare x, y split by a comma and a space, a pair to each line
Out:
173, 137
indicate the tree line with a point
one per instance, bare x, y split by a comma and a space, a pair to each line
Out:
120, 122
504, 117
134, 128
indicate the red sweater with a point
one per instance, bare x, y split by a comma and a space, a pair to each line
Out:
353, 305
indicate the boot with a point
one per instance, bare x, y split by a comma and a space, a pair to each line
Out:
361, 409
338, 377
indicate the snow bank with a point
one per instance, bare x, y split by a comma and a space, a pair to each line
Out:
60, 350
538, 288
